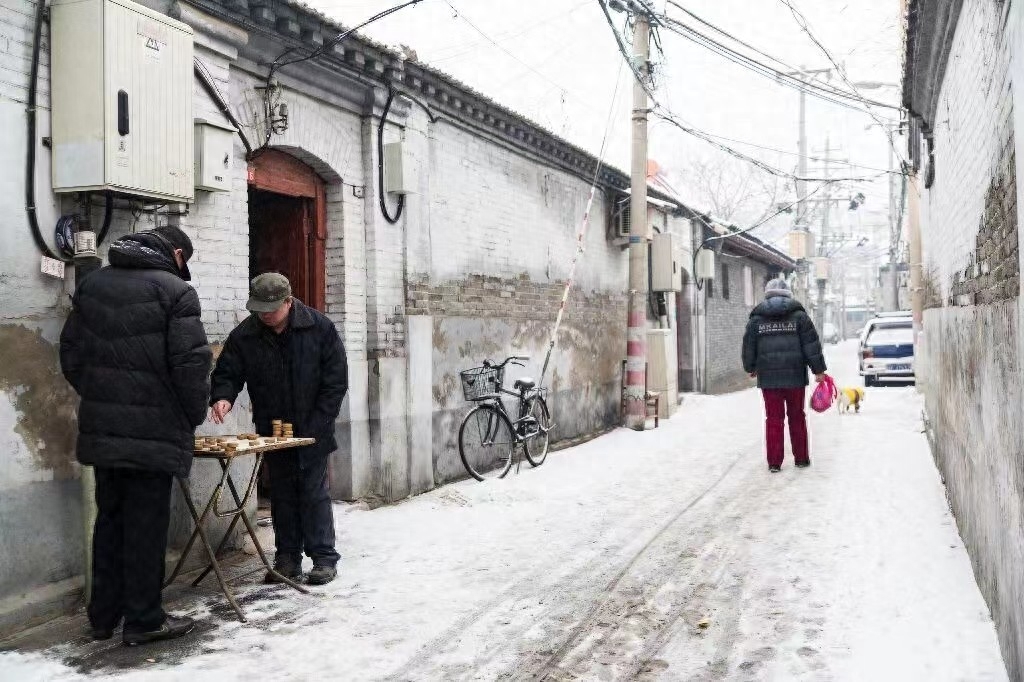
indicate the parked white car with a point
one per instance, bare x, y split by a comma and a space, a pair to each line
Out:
887, 348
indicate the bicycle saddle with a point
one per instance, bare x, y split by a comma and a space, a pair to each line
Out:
525, 384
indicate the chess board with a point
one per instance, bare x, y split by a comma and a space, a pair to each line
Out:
218, 447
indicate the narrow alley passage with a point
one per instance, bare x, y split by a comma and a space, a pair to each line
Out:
670, 554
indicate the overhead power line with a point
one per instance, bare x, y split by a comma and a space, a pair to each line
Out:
802, 22
280, 62
662, 112
821, 91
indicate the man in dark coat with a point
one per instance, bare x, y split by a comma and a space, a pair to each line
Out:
135, 351
779, 345
293, 361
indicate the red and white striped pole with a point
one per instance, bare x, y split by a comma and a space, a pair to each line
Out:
636, 330
581, 245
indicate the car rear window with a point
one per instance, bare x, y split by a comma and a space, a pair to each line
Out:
891, 334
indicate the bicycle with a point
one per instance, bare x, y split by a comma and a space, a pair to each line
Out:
488, 437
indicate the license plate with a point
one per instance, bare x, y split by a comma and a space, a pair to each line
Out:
900, 368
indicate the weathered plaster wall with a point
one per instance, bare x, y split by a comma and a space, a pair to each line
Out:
974, 400
969, 353
488, 266
40, 535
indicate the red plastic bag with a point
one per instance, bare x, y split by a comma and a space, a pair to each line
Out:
824, 395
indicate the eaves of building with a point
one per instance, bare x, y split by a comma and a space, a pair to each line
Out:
296, 25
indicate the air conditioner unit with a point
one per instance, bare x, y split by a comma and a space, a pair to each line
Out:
121, 80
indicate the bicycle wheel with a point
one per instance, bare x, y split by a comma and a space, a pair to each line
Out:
486, 443
536, 447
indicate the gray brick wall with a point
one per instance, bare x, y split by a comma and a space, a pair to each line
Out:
515, 299
727, 320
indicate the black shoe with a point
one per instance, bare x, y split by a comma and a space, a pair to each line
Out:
100, 634
288, 568
775, 470
803, 465
321, 575
172, 628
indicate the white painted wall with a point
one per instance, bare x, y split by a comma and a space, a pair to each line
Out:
974, 113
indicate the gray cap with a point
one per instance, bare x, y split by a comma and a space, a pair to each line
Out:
267, 292
777, 287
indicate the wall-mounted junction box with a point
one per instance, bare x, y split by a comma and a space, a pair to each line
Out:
705, 266
213, 155
399, 170
664, 268
121, 79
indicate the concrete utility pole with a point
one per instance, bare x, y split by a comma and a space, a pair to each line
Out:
636, 331
819, 311
799, 289
916, 258
893, 240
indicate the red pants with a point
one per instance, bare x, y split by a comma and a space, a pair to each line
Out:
778, 404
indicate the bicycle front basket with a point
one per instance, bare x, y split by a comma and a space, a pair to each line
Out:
481, 382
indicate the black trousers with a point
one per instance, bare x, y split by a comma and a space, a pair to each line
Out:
300, 503
129, 548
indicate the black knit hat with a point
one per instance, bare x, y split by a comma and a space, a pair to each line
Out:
178, 240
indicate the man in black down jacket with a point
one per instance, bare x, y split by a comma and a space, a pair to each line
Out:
293, 361
135, 351
779, 345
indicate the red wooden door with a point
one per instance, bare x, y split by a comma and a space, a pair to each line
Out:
288, 224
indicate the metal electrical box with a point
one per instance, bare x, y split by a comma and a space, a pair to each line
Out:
213, 154
399, 171
121, 79
664, 268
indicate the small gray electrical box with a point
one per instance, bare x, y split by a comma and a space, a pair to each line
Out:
213, 155
664, 268
399, 170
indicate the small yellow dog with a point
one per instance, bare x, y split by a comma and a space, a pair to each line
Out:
851, 397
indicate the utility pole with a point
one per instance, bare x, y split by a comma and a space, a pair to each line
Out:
636, 331
800, 288
916, 265
819, 311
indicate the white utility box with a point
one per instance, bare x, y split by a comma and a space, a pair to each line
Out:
662, 369
121, 79
664, 268
801, 244
822, 267
213, 154
399, 171
705, 264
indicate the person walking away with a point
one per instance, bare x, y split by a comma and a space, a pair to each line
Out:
293, 362
135, 351
779, 345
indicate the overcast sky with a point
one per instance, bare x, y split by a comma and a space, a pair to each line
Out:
556, 62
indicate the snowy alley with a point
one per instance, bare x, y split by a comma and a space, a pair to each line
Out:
669, 554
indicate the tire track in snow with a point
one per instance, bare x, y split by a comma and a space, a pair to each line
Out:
526, 588
550, 668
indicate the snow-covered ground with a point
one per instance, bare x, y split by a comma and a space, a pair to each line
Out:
669, 554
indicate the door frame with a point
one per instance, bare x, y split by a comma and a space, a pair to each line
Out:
281, 173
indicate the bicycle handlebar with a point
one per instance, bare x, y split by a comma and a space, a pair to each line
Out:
513, 359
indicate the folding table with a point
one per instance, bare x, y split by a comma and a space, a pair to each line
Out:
225, 457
